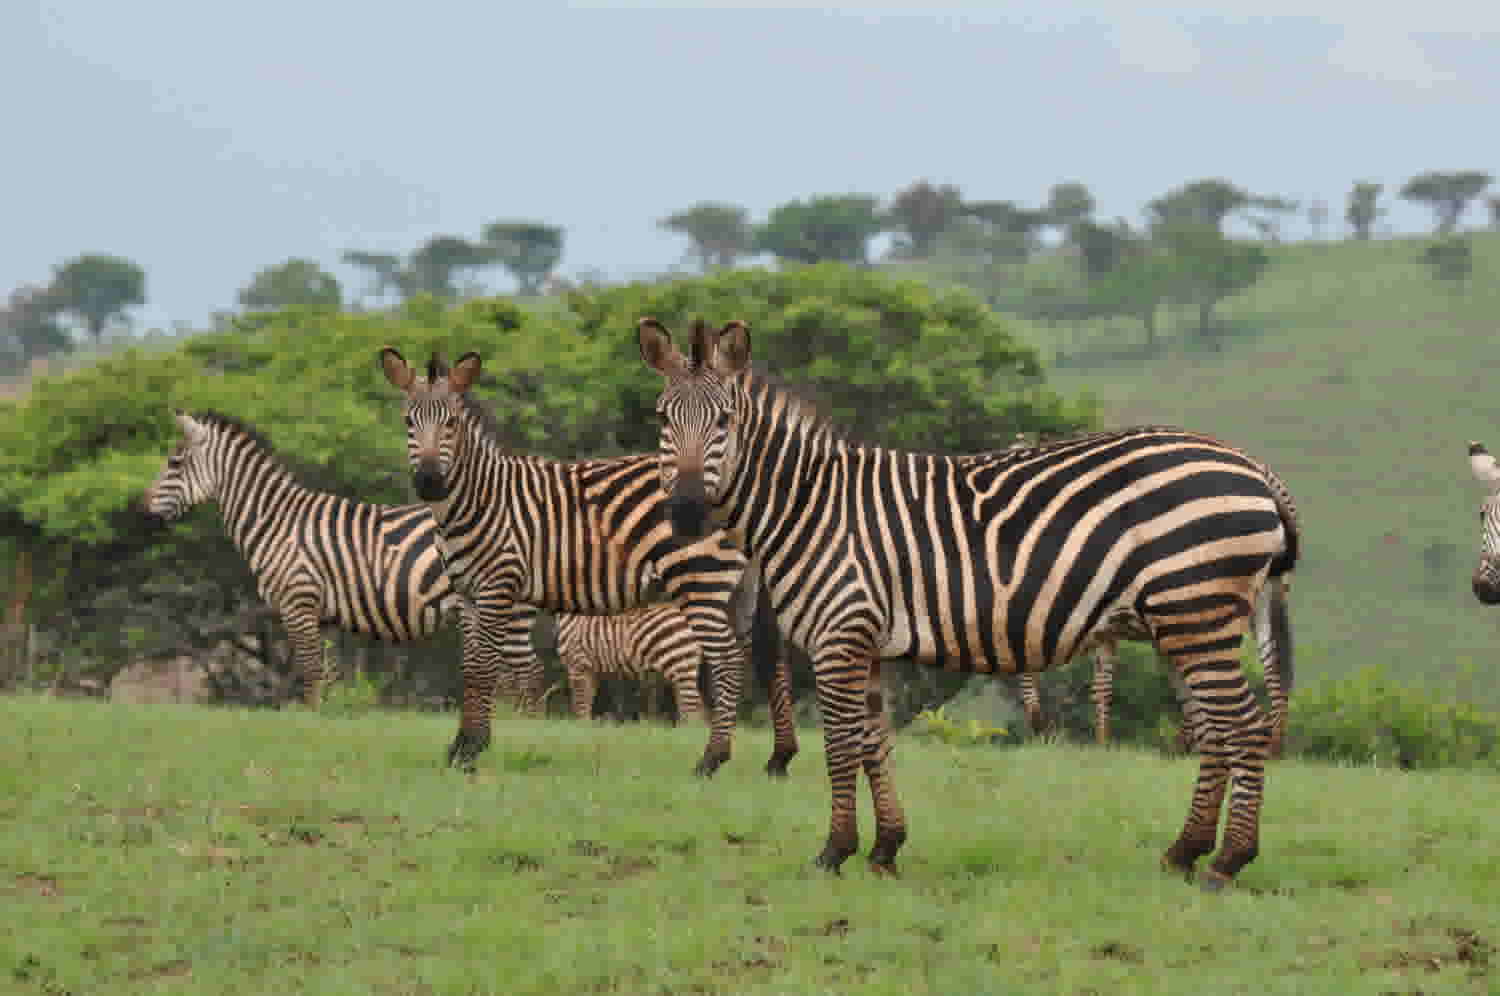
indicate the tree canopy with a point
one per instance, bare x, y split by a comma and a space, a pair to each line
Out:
830, 228
98, 288
1448, 194
529, 250
718, 233
296, 283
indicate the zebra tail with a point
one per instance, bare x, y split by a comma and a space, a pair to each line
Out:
1281, 630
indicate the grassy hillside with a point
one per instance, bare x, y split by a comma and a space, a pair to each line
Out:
1360, 378
180, 850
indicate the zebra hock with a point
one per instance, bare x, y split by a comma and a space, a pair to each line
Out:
586, 537
1008, 561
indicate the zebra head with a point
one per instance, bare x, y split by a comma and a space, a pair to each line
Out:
190, 476
433, 407
698, 408
1487, 574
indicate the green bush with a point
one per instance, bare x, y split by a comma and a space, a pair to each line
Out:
936, 724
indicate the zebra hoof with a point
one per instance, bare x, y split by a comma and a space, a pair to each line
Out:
706, 767
776, 766
466, 748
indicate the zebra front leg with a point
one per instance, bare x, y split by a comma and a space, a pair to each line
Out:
890, 820
726, 674
581, 682
685, 686
842, 685
492, 632
304, 638
1031, 701
1104, 689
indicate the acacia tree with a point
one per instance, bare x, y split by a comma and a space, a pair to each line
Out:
1363, 208
433, 268
295, 283
530, 250
1201, 202
29, 327
1068, 204
97, 288
1447, 194
719, 233
834, 227
1206, 267
921, 213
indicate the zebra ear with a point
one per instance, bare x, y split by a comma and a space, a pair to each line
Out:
464, 373
733, 354
1482, 463
657, 349
397, 371
192, 429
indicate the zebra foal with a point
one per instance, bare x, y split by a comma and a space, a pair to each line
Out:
1008, 561
631, 645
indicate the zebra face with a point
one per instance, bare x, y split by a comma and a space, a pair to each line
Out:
1487, 573
187, 479
434, 405
699, 413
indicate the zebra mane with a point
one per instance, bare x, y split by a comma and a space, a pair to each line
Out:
310, 475
804, 399
483, 417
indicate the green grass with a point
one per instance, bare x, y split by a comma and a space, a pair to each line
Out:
1360, 378
182, 850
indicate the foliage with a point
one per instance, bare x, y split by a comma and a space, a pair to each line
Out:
920, 214
1068, 204
98, 288
835, 227
433, 268
1371, 717
1199, 204
1448, 194
295, 283
1207, 267
29, 326
936, 724
719, 233
1363, 208
1450, 259
229, 852
530, 250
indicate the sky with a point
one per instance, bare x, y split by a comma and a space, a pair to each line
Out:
205, 141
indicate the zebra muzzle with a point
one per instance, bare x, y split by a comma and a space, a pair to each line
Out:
428, 482
687, 507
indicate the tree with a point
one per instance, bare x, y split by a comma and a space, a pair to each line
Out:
1001, 230
719, 233
834, 227
1493, 203
1363, 209
97, 288
1273, 210
921, 213
28, 326
530, 250
1317, 217
1068, 204
386, 268
1201, 202
1100, 247
1447, 194
296, 283
1207, 267
1450, 259
435, 266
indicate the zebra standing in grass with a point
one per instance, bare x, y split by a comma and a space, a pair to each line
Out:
1486, 470
998, 561
630, 645
584, 537
323, 559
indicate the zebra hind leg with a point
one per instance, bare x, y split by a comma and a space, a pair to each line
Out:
842, 686
1031, 701
305, 639
890, 820
1104, 690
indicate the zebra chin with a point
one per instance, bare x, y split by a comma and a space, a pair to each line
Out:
689, 517
1487, 591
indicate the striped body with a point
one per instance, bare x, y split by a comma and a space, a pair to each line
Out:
657, 638
1010, 561
587, 537
318, 559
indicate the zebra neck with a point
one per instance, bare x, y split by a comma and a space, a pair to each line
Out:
254, 490
790, 464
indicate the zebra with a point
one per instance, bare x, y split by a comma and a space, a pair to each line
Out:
323, 559
984, 562
1486, 470
586, 537
631, 644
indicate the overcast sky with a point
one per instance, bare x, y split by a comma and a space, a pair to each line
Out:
206, 140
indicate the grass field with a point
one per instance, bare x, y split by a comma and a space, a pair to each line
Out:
1360, 378
188, 850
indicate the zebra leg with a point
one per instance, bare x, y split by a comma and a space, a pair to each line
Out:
890, 820
783, 723
299, 614
726, 674
581, 681
496, 636
1193, 731
1031, 700
1104, 689
685, 686
1205, 650
842, 685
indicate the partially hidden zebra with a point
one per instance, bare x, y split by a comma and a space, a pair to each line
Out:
322, 559
1486, 580
631, 645
585, 537
1009, 561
